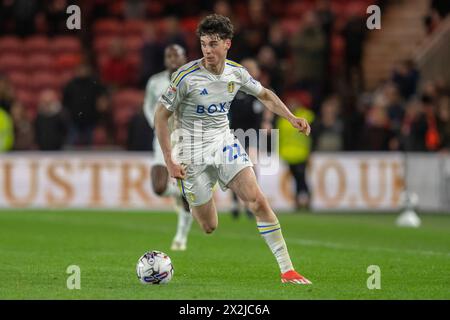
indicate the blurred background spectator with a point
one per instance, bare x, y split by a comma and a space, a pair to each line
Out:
51, 124
6, 131
81, 99
295, 150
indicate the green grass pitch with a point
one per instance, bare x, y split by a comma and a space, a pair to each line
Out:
332, 250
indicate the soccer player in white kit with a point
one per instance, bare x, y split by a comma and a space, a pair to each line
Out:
204, 150
174, 57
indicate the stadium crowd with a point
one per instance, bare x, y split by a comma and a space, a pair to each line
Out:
81, 89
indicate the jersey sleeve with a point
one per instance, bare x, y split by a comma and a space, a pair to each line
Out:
150, 102
250, 85
174, 94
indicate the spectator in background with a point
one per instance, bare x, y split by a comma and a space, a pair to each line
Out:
104, 132
6, 17
134, 9
309, 51
326, 21
173, 33
413, 127
24, 14
421, 129
295, 149
152, 55
278, 41
394, 106
406, 77
236, 51
255, 28
377, 134
271, 74
432, 137
117, 70
354, 34
431, 21
6, 131
442, 7
81, 97
328, 129
51, 123
23, 127
443, 122
140, 135
6, 93
56, 16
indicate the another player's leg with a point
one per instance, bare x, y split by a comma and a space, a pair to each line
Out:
246, 187
165, 187
179, 242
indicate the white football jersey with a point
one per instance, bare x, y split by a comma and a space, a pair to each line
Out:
156, 86
201, 100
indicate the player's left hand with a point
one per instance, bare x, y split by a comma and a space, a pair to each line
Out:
301, 124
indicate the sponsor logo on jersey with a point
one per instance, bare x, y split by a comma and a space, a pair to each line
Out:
213, 108
230, 87
204, 92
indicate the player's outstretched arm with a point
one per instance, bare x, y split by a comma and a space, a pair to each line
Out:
274, 104
162, 116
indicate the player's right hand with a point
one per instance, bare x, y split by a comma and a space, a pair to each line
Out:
176, 170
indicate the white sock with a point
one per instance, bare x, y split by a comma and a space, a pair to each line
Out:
271, 232
184, 225
172, 190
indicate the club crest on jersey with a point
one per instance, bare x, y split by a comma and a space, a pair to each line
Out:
230, 87
171, 92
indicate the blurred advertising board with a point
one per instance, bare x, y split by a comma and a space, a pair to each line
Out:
338, 181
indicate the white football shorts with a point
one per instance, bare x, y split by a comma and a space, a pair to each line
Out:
227, 160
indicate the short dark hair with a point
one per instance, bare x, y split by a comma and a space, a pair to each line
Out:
215, 24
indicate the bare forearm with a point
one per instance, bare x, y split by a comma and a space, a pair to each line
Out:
274, 104
162, 131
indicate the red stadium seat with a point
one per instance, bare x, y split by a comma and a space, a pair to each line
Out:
27, 98
44, 80
295, 9
290, 26
189, 25
12, 62
102, 43
40, 62
64, 77
133, 28
11, 44
66, 44
37, 44
67, 61
20, 80
299, 96
128, 99
133, 44
107, 27
125, 104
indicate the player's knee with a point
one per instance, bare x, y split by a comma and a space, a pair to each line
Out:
209, 227
258, 204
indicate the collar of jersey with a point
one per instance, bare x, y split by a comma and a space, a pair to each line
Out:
200, 63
